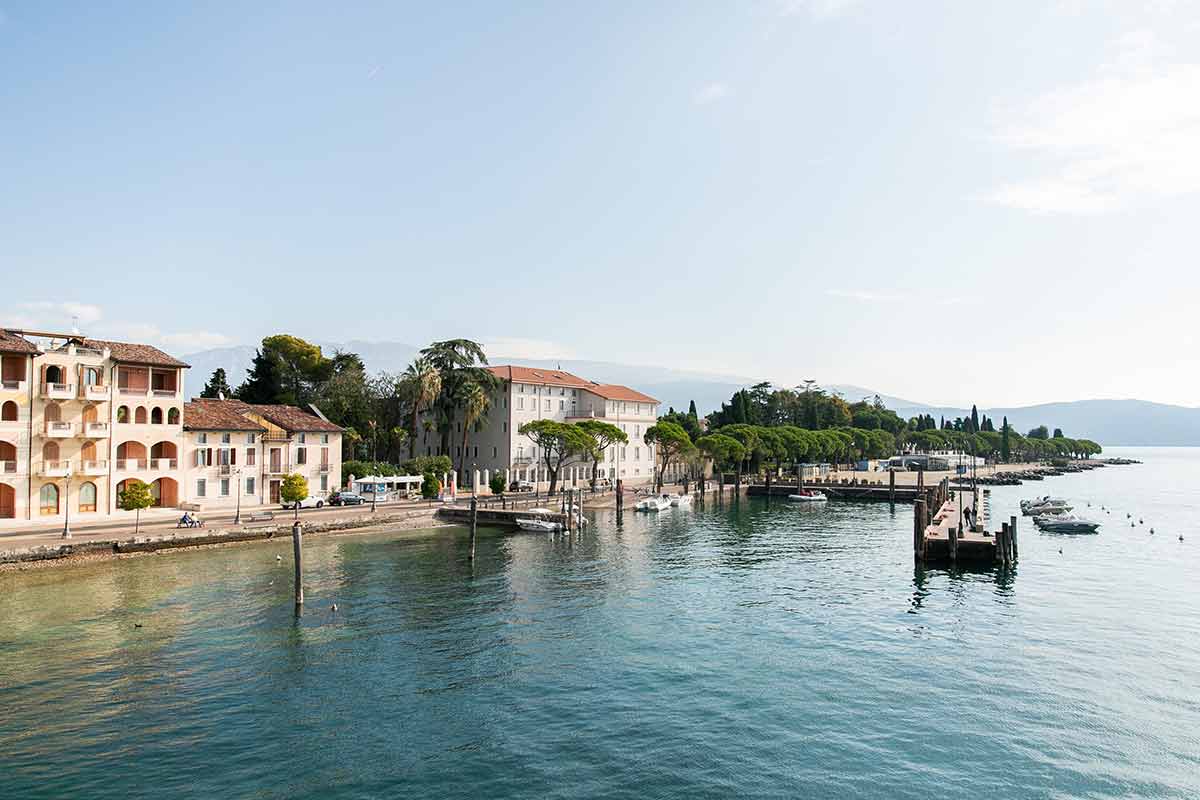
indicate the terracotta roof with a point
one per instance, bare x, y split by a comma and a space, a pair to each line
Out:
614, 391
548, 377
15, 343
135, 353
290, 418
204, 414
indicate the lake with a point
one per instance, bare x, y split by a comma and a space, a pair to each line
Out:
746, 650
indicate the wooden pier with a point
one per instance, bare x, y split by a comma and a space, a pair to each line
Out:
947, 530
494, 517
847, 490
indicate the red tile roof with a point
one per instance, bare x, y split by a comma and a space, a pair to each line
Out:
614, 391
556, 377
15, 343
290, 418
129, 353
204, 414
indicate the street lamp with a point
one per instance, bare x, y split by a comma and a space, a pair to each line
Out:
66, 534
237, 482
374, 494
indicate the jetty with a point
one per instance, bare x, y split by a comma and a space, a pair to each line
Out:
950, 526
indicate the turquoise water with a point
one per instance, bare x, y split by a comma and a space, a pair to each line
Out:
746, 651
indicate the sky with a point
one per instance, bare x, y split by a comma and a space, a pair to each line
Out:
954, 202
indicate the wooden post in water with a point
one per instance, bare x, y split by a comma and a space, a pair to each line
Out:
768, 487
721, 489
918, 528
299, 570
474, 521
892, 488
1002, 543
954, 544
1012, 531
620, 500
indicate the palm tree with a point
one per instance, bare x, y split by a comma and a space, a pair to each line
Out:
459, 362
423, 382
475, 403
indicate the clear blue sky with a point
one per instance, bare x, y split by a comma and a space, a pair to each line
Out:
804, 189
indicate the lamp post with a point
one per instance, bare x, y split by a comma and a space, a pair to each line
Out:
374, 495
237, 482
66, 534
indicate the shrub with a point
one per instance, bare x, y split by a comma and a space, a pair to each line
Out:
496, 484
430, 486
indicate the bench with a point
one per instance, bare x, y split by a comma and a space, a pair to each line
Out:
196, 523
261, 516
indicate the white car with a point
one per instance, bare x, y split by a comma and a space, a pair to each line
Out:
312, 501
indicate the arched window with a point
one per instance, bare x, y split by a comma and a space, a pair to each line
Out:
173, 416
91, 376
53, 412
90, 415
139, 416
87, 452
50, 451
123, 414
9, 412
156, 416
55, 375
49, 500
87, 497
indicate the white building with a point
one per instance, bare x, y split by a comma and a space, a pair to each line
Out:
494, 443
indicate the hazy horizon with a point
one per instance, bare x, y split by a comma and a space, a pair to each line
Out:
826, 189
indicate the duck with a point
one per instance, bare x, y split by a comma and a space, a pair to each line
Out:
279, 558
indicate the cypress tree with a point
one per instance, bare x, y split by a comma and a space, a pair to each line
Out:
1004, 453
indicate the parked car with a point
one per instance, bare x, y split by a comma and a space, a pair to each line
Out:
346, 499
312, 501
520, 486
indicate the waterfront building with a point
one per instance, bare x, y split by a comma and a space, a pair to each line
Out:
245, 448
79, 417
494, 443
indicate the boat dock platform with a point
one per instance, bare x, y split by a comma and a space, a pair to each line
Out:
493, 517
845, 490
942, 535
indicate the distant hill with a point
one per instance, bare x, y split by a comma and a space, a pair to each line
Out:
1113, 423
1110, 422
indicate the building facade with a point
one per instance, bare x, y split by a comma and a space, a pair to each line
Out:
494, 442
79, 417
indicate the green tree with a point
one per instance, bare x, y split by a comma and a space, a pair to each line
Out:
217, 385
474, 401
496, 483
430, 486
286, 369
460, 362
134, 497
604, 435
1040, 432
558, 442
1058, 434
423, 385
292, 489
670, 441
723, 450
1005, 451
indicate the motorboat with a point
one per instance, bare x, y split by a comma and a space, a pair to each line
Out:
1065, 523
808, 496
1045, 505
681, 500
658, 503
539, 522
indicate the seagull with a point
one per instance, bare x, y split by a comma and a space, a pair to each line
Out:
1181, 537
1152, 531
279, 558
333, 607
138, 624
1060, 551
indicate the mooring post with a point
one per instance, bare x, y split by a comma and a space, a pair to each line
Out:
1002, 543
1012, 531
721, 489
892, 488
620, 500
474, 520
299, 571
954, 544
918, 527
768, 487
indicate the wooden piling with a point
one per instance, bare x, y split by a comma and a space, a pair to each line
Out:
474, 523
620, 500
768, 482
892, 488
1002, 544
953, 544
298, 568
1012, 532
918, 528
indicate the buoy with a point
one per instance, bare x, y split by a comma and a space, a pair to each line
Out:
333, 607
1181, 537
1152, 531
1060, 551
1140, 521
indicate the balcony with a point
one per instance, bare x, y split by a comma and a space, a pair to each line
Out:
8, 468
163, 463
94, 468
278, 469
12, 386
55, 469
324, 468
224, 469
58, 391
129, 391
276, 436
164, 392
95, 430
59, 430
131, 464
98, 393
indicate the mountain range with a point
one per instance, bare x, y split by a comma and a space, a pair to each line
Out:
1110, 422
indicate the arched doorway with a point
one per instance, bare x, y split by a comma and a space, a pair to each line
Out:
9, 412
139, 416
87, 453
90, 415
55, 374
156, 417
165, 492
8, 502
53, 412
87, 498
164, 450
131, 456
173, 416
48, 500
8, 457
122, 414
50, 451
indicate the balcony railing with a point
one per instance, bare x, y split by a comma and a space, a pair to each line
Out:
278, 469
12, 386
97, 392
58, 391
164, 463
164, 392
277, 436
131, 464
56, 469
95, 430
128, 391
522, 461
224, 469
324, 468
94, 467
8, 467
59, 430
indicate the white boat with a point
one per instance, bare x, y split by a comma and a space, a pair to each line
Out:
1065, 523
681, 500
808, 496
660, 503
539, 522
1045, 505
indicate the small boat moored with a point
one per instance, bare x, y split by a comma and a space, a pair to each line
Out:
538, 521
659, 503
1065, 523
808, 496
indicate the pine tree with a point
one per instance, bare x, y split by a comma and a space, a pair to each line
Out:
692, 410
974, 419
217, 385
1004, 452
